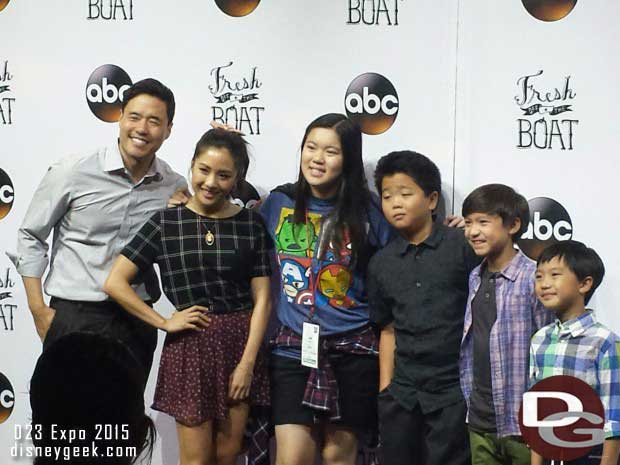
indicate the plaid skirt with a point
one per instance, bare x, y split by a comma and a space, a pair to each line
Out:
195, 367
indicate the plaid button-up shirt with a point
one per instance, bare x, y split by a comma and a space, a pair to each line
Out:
519, 315
587, 350
321, 393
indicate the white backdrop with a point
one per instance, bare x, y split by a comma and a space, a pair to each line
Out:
499, 43
454, 65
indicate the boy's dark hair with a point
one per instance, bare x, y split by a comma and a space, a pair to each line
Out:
229, 140
154, 88
502, 200
580, 259
415, 165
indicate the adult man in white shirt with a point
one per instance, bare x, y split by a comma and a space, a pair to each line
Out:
95, 203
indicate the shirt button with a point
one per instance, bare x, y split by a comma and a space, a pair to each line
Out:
418, 284
417, 257
487, 295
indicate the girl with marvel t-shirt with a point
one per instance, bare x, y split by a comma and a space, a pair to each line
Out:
325, 227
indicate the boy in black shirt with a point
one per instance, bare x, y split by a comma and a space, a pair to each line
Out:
418, 287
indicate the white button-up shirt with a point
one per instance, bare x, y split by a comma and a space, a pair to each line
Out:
95, 209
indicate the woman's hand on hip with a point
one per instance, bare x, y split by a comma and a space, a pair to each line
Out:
194, 317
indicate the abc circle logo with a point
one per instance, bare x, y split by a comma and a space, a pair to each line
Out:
7, 194
372, 102
237, 8
549, 10
562, 418
7, 398
549, 223
3, 4
104, 92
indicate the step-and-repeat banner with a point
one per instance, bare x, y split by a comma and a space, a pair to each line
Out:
536, 103
520, 92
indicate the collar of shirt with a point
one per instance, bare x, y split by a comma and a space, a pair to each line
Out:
488, 274
113, 163
432, 241
576, 326
511, 270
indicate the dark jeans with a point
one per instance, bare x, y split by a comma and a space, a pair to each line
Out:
106, 318
408, 437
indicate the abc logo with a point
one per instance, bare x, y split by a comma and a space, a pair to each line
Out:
7, 398
237, 7
549, 10
372, 102
104, 92
3, 4
549, 223
562, 418
7, 194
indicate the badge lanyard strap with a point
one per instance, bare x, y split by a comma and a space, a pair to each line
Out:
310, 253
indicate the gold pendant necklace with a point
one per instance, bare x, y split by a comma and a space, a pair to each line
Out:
209, 237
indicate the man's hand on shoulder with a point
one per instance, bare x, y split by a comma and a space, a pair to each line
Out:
454, 221
180, 197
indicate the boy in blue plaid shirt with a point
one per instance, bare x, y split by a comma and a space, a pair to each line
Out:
576, 344
501, 315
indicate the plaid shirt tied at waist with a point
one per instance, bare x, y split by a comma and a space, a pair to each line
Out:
322, 388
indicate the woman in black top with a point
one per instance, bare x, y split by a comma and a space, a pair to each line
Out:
214, 262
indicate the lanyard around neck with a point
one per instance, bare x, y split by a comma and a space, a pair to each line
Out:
310, 254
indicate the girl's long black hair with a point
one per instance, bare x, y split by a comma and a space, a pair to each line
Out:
353, 198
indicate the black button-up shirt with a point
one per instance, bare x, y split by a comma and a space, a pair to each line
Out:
423, 291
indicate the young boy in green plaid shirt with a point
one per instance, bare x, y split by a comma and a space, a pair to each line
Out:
576, 344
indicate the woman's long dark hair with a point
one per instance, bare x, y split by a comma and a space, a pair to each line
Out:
351, 209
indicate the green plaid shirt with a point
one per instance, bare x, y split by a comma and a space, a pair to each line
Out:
587, 350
